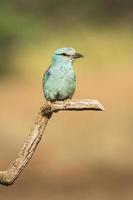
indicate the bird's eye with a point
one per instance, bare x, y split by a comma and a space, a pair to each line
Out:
64, 54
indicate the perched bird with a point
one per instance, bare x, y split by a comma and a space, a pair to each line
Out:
59, 81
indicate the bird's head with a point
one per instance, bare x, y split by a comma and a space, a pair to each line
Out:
66, 55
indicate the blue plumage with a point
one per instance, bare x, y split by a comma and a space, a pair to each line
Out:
59, 81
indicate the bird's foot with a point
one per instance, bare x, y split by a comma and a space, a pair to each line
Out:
67, 102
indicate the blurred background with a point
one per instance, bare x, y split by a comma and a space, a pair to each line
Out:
82, 155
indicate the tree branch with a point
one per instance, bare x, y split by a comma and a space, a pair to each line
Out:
10, 175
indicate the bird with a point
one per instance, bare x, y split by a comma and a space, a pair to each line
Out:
59, 81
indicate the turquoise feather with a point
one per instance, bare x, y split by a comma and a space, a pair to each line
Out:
59, 81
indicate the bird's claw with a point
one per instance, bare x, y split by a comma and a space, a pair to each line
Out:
67, 102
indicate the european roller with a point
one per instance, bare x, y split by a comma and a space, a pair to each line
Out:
59, 81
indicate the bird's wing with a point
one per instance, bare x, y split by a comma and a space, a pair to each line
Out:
46, 75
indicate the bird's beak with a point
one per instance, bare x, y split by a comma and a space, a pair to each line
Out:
77, 55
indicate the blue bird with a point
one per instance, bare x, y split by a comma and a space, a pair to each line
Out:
59, 81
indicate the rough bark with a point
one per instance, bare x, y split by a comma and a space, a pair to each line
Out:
8, 176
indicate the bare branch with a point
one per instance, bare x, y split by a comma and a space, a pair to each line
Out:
10, 175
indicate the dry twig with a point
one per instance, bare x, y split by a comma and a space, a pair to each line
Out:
10, 175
